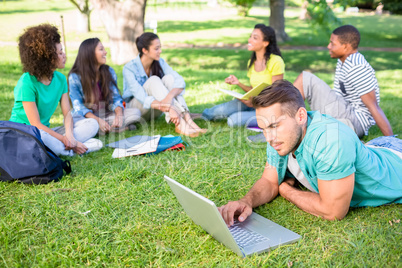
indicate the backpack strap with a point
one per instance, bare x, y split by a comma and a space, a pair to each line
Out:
4, 176
66, 166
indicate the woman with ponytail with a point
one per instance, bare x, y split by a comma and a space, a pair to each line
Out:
94, 92
265, 65
153, 87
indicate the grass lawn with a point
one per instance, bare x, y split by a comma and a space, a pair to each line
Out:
120, 212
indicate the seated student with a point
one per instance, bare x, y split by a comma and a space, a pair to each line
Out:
94, 92
356, 95
265, 65
323, 154
41, 88
152, 86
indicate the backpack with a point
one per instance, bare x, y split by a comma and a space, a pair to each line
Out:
25, 158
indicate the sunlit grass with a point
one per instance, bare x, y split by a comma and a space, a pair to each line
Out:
116, 213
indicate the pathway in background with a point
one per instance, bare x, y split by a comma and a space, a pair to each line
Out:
230, 46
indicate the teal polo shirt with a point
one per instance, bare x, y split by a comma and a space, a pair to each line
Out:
331, 150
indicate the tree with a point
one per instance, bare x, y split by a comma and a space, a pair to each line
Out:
85, 10
124, 21
277, 19
243, 6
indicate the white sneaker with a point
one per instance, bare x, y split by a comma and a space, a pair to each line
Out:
93, 145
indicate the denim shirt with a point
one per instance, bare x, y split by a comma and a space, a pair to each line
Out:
77, 95
134, 77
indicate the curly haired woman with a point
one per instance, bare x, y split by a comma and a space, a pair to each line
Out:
41, 88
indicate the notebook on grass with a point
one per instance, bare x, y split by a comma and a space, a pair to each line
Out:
255, 235
251, 93
142, 147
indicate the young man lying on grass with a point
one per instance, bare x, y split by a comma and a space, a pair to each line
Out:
323, 154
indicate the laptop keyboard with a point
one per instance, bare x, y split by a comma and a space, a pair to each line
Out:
244, 237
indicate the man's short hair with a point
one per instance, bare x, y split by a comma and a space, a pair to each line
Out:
348, 34
283, 92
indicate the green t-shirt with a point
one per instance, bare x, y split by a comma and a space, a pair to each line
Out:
46, 98
331, 150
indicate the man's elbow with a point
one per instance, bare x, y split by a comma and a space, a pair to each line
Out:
335, 215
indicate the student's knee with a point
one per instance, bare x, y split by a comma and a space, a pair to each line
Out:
298, 83
131, 115
168, 81
154, 78
235, 120
153, 82
85, 129
92, 126
216, 112
299, 80
206, 114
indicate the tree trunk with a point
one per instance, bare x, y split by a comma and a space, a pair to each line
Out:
124, 21
277, 19
84, 17
82, 22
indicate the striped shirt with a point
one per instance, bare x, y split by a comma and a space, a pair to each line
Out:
354, 78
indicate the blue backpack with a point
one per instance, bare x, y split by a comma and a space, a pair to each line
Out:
25, 158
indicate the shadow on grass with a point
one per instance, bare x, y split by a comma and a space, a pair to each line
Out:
25, 11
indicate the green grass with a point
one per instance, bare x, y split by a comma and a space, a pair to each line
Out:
120, 212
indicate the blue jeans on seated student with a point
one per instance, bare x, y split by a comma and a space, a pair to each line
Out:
84, 129
390, 142
237, 113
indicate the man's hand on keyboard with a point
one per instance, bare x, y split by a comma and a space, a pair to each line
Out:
233, 208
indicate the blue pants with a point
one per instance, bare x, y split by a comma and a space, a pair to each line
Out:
387, 142
236, 112
84, 129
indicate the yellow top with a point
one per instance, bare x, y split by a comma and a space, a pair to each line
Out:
275, 66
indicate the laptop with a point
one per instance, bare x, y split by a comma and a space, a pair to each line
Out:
253, 236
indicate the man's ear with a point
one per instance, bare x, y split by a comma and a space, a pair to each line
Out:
301, 116
348, 47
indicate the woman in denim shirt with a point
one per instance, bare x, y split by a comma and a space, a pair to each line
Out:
94, 93
152, 86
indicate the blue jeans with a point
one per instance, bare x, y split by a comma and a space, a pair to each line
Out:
387, 142
237, 113
84, 129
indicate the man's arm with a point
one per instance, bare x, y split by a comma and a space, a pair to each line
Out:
370, 101
332, 202
263, 191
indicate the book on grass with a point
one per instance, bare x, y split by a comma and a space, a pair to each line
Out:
144, 147
256, 129
251, 93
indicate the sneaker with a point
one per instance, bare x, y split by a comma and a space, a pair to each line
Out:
93, 145
259, 138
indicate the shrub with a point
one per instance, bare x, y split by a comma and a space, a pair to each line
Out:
394, 6
243, 6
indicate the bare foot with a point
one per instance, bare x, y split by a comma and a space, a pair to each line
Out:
193, 125
188, 132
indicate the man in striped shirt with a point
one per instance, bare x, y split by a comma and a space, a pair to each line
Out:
356, 95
